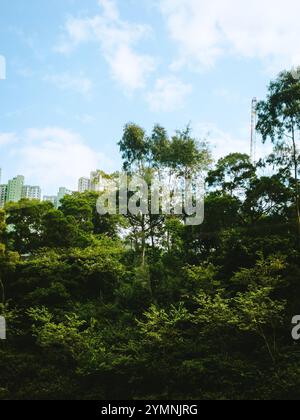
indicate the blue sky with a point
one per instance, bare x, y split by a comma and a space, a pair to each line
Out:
78, 70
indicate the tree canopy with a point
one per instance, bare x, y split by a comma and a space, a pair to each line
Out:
141, 307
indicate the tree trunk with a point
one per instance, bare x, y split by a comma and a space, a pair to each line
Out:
2, 291
297, 192
143, 241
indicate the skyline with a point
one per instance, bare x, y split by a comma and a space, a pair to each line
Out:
73, 84
83, 184
43, 194
58, 187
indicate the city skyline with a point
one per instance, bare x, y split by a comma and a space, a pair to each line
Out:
15, 189
77, 72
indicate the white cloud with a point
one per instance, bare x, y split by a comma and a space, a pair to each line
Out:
54, 157
206, 30
130, 69
85, 118
7, 139
169, 94
117, 39
110, 9
65, 81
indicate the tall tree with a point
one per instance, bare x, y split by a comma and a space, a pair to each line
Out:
159, 155
134, 147
188, 156
25, 224
7, 258
279, 120
232, 174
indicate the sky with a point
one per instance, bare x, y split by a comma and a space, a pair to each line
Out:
78, 70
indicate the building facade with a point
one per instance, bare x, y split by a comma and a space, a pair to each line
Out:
15, 189
3, 195
32, 193
62, 192
84, 184
51, 198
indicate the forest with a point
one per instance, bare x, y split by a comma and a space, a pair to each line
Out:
118, 307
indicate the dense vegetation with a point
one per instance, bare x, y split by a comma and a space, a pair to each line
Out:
165, 311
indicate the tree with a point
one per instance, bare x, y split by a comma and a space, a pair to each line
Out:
134, 148
8, 259
60, 231
80, 209
188, 156
266, 196
232, 174
186, 312
159, 147
159, 156
2, 253
83, 207
25, 224
279, 120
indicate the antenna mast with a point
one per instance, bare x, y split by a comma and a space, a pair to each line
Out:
253, 130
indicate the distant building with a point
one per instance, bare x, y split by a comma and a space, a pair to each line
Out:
84, 184
3, 192
14, 189
3, 195
99, 181
32, 193
51, 198
62, 192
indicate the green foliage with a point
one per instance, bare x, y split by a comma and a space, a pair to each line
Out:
108, 307
232, 173
279, 121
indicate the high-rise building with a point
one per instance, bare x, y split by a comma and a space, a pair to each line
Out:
14, 189
51, 198
3, 194
84, 184
62, 192
56, 199
98, 181
32, 193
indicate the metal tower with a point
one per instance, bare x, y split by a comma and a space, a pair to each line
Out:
253, 130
